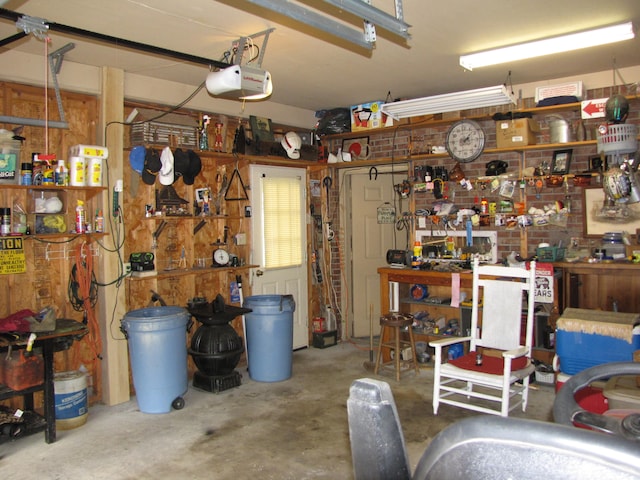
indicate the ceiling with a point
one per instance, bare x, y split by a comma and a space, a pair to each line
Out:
313, 70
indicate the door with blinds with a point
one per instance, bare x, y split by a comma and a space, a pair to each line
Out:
279, 240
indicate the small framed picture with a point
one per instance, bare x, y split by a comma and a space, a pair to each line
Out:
202, 195
598, 164
261, 128
561, 162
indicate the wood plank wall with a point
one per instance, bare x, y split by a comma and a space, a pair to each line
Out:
49, 265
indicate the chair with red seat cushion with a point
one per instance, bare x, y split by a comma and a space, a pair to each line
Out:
493, 383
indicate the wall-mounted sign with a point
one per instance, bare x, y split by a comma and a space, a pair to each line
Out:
386, 213
12, 258
593, 108
544, 283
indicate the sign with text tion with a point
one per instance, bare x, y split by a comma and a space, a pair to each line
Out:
12, 258
593, 108
544, 283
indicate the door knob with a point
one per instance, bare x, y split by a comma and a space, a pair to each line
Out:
259, 273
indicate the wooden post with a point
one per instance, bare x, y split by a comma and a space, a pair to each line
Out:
112, 304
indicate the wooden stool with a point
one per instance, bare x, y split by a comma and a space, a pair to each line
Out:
392, 324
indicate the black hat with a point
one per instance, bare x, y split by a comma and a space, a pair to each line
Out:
152, 166
180, 164
194, 168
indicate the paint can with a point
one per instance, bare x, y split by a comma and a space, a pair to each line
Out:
71, 408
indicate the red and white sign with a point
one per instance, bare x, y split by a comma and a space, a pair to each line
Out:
544, 283
593, 108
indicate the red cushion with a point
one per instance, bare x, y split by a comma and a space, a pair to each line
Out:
490, 364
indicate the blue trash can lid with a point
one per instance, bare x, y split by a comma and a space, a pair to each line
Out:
278, 303
156, 318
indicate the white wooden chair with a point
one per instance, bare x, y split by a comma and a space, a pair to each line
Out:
503, 339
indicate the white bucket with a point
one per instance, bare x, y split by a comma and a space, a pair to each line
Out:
71, 408
94, 172
77, 172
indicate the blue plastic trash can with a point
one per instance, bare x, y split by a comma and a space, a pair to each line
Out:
158, 352
269, 329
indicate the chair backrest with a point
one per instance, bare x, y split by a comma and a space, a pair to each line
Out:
503, 290
377, 443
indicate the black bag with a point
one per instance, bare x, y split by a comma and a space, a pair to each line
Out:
336, 120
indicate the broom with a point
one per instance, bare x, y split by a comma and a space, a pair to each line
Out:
370, 366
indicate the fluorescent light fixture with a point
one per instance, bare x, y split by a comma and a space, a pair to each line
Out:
240, 82
548, 46
449, 102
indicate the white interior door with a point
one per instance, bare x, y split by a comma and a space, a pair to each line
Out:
279, 240
369, 243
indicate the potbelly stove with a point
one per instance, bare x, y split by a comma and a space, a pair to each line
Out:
215, 346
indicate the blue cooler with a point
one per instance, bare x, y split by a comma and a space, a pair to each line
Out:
586, 338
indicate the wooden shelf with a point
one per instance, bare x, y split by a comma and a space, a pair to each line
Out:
164, 274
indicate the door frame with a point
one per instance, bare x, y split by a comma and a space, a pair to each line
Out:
301, 312
346, 295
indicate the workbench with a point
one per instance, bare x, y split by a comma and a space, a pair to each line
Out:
439, 285
66, 332
610, 286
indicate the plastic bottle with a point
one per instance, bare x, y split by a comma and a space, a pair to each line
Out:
77, 172
484, 206
98, 226
416, 260
26, 174
80, 218
5, 221
61, 176
94, 172
47, 174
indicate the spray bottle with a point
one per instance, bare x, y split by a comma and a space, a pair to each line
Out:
80, 217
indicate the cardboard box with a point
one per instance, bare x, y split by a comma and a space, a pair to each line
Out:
516, 133
367, 116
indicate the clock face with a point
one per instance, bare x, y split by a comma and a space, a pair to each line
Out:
465, 141
220, 257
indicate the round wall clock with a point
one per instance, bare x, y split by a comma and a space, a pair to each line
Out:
220, 257
465, 141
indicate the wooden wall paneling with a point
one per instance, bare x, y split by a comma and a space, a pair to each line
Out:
81, 113
48, 261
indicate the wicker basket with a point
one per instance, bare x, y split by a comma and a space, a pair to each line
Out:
619, 138
545, 377
550, 254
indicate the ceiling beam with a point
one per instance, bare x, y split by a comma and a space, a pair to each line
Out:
119, 42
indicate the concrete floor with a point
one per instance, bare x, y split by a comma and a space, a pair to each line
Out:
295, 429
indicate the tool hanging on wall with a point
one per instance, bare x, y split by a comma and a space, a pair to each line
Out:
239, 187
157, 233
221, 180
327, 182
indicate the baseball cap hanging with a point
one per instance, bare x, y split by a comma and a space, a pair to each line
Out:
136, 158
195, 166
166, 174
152, 165
180, 163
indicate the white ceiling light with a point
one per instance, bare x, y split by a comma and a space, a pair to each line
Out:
449, 102
240, 82
538, 48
